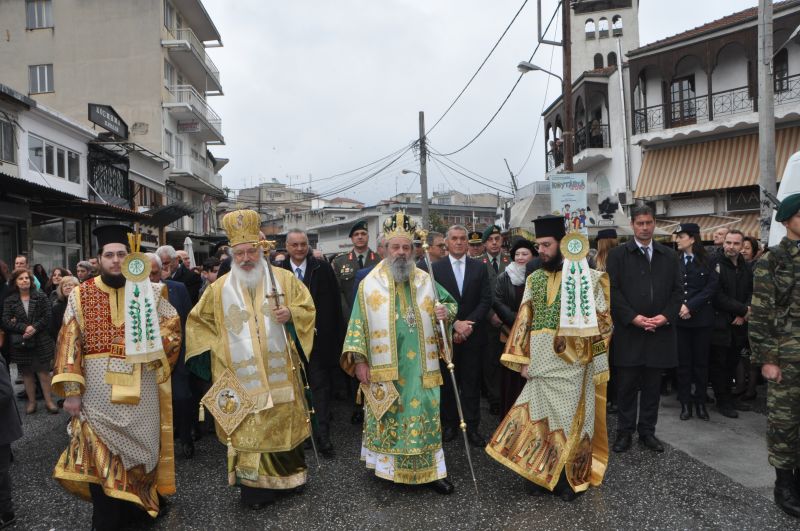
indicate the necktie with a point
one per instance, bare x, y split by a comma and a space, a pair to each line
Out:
360, 261
299, 273
646, 252
494, 264
688, 259
459, 276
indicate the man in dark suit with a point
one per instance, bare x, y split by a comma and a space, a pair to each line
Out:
466, 280
646, 294
173, 269
318, 277
183, 406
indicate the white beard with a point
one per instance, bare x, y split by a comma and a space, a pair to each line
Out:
401, 269
251, 278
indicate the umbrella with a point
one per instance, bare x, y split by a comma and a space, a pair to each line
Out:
187, 246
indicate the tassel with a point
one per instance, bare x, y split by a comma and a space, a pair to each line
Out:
201, 416
231, 455
359, 396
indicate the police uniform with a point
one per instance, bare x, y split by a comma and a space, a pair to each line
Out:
490, 366
774, 330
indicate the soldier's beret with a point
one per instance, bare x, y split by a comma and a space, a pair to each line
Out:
688, 228
789, 207
359, 225
475, 238
491, 229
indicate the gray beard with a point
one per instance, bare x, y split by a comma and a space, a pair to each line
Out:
249, 279
401, 269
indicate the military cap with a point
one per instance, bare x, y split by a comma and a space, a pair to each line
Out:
549, 225
359, 225
491, 229
606, 234
475, 238
688, 228
789, 207
106, 234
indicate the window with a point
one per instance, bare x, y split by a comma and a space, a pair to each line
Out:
40, 79
7, 151
780, 66
167, 142
39, 14
598, 61
682, 98
590, 29
169, 16
616, 25
612, 59
602, 25
51, 159
169, 74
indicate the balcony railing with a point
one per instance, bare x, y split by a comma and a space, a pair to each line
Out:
188, 95
696, 110
199, 50
588, 137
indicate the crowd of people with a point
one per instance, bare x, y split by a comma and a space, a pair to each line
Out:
555, 336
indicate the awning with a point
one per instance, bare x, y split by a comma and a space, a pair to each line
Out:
715, 165
747, 223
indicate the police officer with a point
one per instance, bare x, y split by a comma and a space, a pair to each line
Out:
495, 259
345, 266
476, 247
696, 319
775, 341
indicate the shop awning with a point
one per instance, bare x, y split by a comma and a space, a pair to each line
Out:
715, 165
747, 223
164, 215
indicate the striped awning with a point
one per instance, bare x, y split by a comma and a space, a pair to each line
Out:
715, 165
747, 223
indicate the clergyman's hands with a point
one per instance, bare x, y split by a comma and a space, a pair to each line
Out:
524, 372
440, 312
362, 372
72, 405
282, 314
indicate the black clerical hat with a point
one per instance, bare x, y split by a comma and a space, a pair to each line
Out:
111, 234
549, 226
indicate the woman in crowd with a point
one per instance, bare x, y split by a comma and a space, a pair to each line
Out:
696, 319
60, 304
41, 275
606, 240
747, 374
55, 279
751, 251
26, 321
507, 298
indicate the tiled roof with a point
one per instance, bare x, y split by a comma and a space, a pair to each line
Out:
715, 25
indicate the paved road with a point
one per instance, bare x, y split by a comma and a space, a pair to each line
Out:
683, 488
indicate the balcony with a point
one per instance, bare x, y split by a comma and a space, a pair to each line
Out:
592, 145
189, 54
705, 108
194, 115
196, 175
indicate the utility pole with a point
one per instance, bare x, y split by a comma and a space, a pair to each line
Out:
766, 116
567, 132
513, 178
423, 171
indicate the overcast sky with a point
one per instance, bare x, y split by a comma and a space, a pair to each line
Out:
313, 89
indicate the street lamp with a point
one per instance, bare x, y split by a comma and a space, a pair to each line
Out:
527, 66
404, 172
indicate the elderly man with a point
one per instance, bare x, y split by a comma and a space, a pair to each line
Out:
256, 322
183, 256
392, 348
174, 269
437, 249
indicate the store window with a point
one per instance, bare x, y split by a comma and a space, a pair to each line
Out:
56, 242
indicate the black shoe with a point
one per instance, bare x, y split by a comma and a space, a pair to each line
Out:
494, 409
611, 408
442, 486
726, 410
448, 433
749, 397
308, 445
357, 417
786, 494
476, 439
197, 434
738, 405
651, 442
702, 412
187, 449
686, 411
300, 489
537, 490
623, 442
563, 490
325, 447
6, 519
22, 395
164, 506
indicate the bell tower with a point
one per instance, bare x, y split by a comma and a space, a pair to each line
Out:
596, 27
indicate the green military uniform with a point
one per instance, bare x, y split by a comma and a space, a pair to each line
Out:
490, 365
345, 267
774, 330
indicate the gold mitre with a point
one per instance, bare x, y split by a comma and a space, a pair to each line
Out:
242, 226
399, 225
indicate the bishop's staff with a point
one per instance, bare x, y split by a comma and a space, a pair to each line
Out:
275, 295
447, 355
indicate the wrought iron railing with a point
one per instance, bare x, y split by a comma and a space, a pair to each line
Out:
596, 136
199, 50
787, 89
187, 94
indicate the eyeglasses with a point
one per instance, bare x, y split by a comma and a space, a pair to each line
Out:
251, 251
441, 245
119, 254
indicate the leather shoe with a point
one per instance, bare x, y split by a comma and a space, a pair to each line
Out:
738, 405
448, 433
442, 486
622, 443
702, 413
686, 411
476, 439
651, 442
727, 411
325, 447
358, 417
787, 498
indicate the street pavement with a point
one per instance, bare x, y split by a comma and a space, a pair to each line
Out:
713, 475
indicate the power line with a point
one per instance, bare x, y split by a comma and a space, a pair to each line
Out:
477, 175
496, 44
505, 191
508, 96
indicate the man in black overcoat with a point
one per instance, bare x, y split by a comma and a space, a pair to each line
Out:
467, 281
646, 294
319, 278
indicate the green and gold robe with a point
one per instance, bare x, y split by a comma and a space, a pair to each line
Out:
558, 421
393, 329
265, 450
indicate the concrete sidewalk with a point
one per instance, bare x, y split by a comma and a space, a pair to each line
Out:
734, 447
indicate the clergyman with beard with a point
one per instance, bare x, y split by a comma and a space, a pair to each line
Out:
239, 322
555, 435
392, 348
120, 454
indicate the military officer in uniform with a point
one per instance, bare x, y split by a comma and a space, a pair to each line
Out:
476, 247
775, 342
495, 259
345, 267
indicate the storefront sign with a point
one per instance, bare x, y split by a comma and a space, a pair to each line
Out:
106, 117
742, 199
189, 126
568, 199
